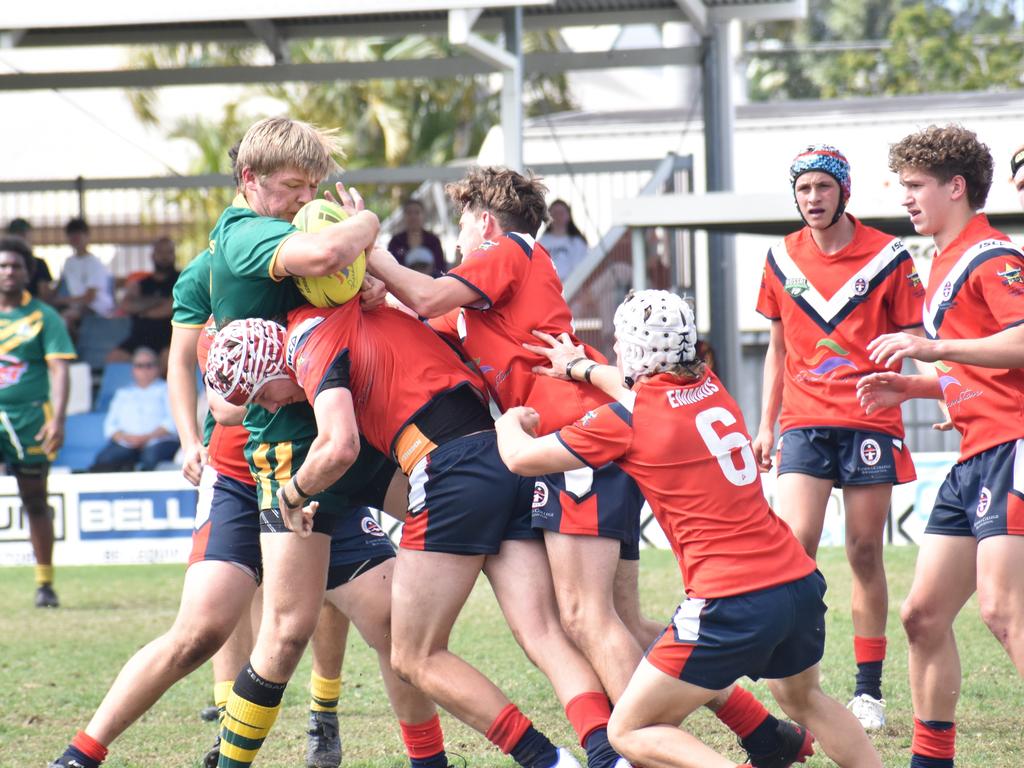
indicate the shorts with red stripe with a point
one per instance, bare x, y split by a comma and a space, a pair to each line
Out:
846, 456
983, 496
602, 502
775, 632
227, 524
464, 501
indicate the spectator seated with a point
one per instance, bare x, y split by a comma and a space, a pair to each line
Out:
115, 376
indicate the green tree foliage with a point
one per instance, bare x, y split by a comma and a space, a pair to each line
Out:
887, 47
382, 122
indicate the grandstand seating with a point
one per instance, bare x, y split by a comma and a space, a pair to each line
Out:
97, 336
115, 376
83, 438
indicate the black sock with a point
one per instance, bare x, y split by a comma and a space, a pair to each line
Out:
534, 750
869, 679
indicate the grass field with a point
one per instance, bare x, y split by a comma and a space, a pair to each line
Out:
56, 665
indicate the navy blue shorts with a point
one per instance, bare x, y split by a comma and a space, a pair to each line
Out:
846, 456
602, 502
983, 496
357, 545
227, 525
464, 501
774, 633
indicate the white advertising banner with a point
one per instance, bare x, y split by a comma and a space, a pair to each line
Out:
147, 517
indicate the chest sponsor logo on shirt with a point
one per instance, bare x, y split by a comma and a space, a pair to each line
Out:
870, 452
984, 501
795, 286
11, 371
540, 494
830, 357
371, 527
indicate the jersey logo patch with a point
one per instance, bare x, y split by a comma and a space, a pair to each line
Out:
914, 278
830, 357
371, 527
588, 417
984, 501
796, 286
1011, 275
860, 286
11, 371
540, 494
486, 245
870, 452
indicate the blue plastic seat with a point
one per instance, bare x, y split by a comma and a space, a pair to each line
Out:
83, 439
97, 336
115, 376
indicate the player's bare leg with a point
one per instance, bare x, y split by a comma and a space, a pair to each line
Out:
429, 591
627, 604
32, 490
214, 596
584, 570
644, 729
867, 508
944, 579
839, 733
1001, 592
801, 501
367, 602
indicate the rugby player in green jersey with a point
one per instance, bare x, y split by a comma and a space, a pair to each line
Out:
34, 353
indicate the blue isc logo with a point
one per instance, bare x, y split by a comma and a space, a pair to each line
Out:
142, 515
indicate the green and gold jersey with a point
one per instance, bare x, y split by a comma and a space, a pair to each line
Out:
243, 247
191, 293
29, 336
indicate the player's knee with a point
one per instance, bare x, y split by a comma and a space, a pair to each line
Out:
996, 616
864, 555
920, 623
406, 661
193, 646
620, 736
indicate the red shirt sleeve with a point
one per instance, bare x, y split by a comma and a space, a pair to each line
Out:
600, 436
447, 326
495, 271
767, 304
1000, 282
906, 296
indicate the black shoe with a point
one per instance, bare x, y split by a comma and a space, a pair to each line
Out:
46, 597
213, 756
795, 746
323, 745
209, 714
65, 762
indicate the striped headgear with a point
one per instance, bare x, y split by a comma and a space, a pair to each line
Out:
827, 159
244, 356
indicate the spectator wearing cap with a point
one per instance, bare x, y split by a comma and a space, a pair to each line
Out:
40, 279
414, 242
139, 426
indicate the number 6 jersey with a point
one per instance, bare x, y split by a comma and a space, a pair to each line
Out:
685, 443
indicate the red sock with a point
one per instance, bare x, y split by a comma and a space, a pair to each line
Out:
588, 712
89, 747
930, 741
508, 728
423, 740
742, 713
868, 649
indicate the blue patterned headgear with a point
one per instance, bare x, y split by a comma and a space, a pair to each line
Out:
827, 159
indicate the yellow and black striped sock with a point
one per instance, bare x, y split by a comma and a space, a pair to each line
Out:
221, 691
324, 693
44, 574
250, 714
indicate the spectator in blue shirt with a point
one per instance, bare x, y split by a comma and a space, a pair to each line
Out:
139, 427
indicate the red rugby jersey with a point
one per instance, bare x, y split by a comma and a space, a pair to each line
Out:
976, 289
519, 292
226, 446
831, 306
393, 365
686, 445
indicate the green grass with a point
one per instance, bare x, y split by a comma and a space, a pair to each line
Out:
55, 667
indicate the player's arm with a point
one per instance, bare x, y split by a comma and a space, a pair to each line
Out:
51, 436
316, 254
527, 455
569, 362
425, 295
889, 390
928, 371
1004, 349
771, 396
181, 389
224, 413
334, 450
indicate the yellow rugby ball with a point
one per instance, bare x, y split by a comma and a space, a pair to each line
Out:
331, 290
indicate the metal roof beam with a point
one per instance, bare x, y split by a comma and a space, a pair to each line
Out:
696, 13
534, 63
268, 32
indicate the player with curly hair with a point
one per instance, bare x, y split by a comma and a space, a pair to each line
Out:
974, 318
